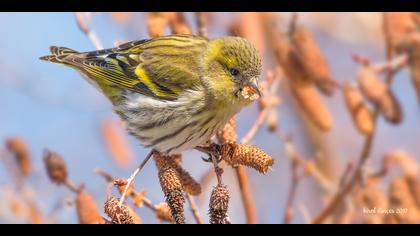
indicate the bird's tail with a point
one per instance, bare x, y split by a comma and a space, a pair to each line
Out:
58, 54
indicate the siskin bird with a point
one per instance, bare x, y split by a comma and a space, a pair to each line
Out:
173, 92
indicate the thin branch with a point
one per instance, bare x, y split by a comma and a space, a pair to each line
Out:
133, 176
110, 179
288, 213
194, 209
246, 194
201, 19
364, 156
255, 127
84, 27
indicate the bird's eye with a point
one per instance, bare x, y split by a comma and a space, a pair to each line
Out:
233, 71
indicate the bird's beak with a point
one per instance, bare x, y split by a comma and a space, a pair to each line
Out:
254, 84
250, 89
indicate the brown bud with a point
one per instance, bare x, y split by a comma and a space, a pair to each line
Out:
272, 119
163, 212
18, 148
171, 184
219, 204
314, 64
379, 94
119, 215
311, 103
397, 25
360, 113
86, 209
156, 24
247, 155
56, 167
228, 133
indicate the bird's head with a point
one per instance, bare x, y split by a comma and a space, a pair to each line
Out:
233, 66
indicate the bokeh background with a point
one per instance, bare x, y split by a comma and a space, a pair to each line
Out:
51, 106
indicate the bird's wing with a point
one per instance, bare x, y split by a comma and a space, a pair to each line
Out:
162, 67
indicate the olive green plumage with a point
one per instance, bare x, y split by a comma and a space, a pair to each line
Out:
174, 92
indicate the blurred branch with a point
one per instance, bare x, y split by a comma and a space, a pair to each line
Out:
364, 156
194, 209
201, 19
110, 179
82, 23
295, 179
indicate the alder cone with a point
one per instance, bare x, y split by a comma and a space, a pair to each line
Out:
313, 63
411, 46
309, 100
360, 113
379, 94
86, 209
156, 24
397, 25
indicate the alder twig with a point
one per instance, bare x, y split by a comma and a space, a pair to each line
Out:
295, 179
194, 209
110, 179
84, 27
364, 156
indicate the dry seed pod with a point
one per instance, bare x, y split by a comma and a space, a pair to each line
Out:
313, 62
119, 215
360, 113
121, 17
411, 46
178, 23
156, 24
56, 167
86, 209
247, 155
407, 163
228, 133
397, 25
219, 204
117, 143
163, 212
202, 20
171, 184
378, 93
19, 149
189, 184
250, 27
414, 185
311, 103
391, 108
402, 198
371, 196
370, 84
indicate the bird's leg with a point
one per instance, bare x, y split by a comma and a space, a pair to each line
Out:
133, 176
213, 151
